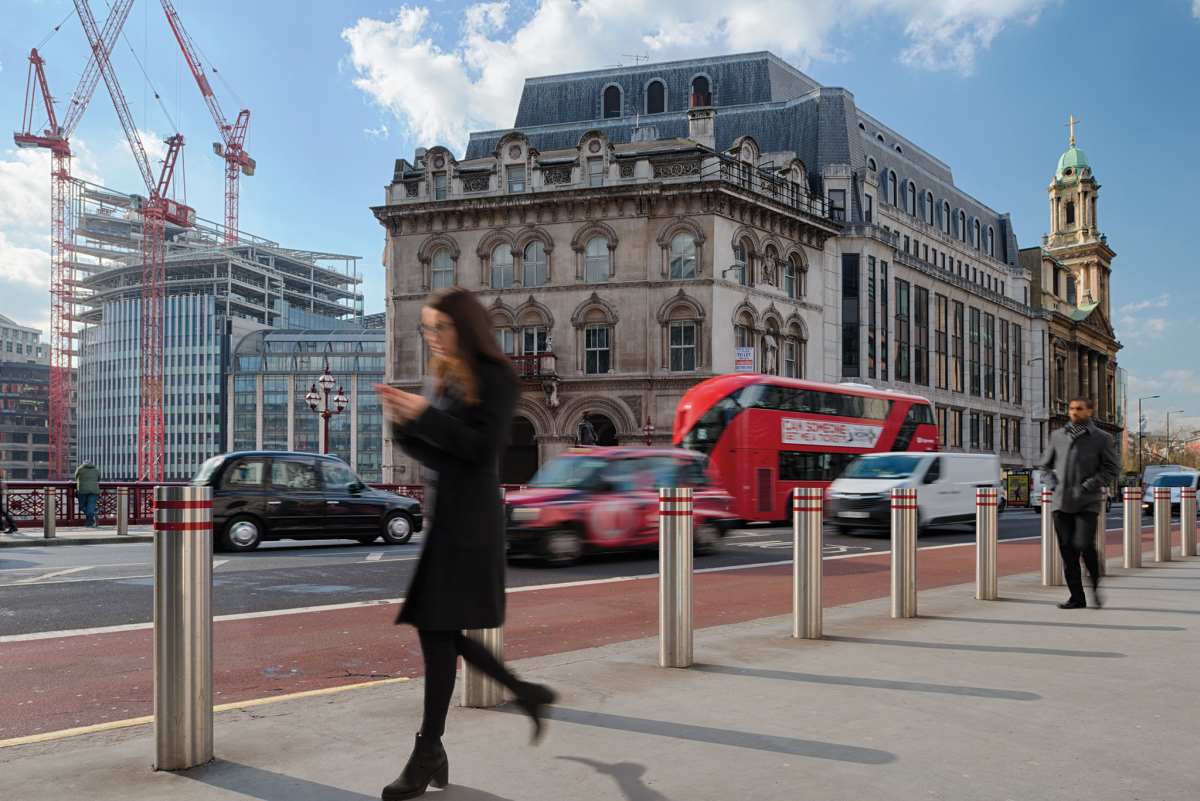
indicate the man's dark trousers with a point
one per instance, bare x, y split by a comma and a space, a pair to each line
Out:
1077, 538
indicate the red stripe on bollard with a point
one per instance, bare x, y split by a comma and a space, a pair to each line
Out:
183, 504
201, 526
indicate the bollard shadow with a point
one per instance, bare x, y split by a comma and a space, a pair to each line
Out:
627, 775
875, 684
266, 785
986, 649
1053, 623
1151, 589
1147, 578
793, 746
1108, 607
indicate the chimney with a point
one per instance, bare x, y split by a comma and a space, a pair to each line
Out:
701, 126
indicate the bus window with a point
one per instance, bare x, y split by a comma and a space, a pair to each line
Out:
799, 466
708, 430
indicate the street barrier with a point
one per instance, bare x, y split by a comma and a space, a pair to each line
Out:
1162, 524
122, 511
806, 563
986, 508
49, 516
1052, 570
904, 553
1187, 522
183, 667
675, 577
478, 690
1131, 528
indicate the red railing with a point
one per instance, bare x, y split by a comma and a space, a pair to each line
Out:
536, 365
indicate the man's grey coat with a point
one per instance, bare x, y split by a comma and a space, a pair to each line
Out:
1078, 470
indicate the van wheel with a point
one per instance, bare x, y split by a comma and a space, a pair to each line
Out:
242, 533
705, 538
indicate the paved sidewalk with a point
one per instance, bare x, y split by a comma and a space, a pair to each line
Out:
76, 535
985, 701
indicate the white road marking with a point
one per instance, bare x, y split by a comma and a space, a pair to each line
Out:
375, 557
55, 573
218, 562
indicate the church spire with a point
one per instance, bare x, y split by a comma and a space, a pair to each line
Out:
1071, 123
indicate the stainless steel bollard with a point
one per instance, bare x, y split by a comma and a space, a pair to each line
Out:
675, 577
122, 511
1187, 522
479, 691
986, 509
183, 667
904, 553
49, 513
1131, 528
807, 545
1162, 524
1052, 570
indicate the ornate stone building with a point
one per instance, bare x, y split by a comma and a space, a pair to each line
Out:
1071, 279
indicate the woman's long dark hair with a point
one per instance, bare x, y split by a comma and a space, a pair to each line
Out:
476, 342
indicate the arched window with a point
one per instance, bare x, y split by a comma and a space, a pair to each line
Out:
656, 97
683, 256
946, 217
502, 267
1070, 212
991, 241
741, 262
701, 92
872, 165
890, 188
743, 333
535, 264
612, 101
962, 225
975, 239
795, 277
910, 198
795, 352
596, 261
929, 208
442, 269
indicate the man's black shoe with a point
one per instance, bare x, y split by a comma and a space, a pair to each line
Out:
1073, 605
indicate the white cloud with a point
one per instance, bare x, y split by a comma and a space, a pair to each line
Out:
381, 132
440, 91
24, 265
1196, 9
1161, 302
1135, 325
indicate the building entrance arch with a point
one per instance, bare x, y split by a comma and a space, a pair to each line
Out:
520, 460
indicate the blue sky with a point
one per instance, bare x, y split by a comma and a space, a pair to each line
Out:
339, 90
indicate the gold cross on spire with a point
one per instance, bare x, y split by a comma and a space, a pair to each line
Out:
1071, 123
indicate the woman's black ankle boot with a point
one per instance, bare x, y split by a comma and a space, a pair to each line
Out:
427, 765
533, 699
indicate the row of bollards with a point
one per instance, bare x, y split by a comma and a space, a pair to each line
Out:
50, 512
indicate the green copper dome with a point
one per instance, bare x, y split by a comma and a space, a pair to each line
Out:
1073, 160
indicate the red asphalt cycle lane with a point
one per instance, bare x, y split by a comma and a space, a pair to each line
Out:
61, 683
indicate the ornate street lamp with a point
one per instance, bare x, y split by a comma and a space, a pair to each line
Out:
648, 430
313, 398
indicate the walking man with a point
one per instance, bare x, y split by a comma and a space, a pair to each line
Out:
10, 526
1079, 464
87, 490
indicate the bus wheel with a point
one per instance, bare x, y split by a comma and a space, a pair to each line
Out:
705, 538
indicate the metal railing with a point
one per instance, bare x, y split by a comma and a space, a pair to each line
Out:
534, 365
777, 189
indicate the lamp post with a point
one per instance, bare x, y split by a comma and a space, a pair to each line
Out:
648, 430
313, 399
1141, 426
1168, 450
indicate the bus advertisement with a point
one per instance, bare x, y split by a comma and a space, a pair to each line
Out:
764, 435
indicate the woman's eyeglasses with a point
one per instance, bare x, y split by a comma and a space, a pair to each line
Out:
439, 329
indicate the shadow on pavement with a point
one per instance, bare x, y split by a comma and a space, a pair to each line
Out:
731, 737
1152, 589
1107, 626
876, 684
1109, 607
988, 649
266, 785
627, 775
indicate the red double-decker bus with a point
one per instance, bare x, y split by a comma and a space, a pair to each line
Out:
765, 435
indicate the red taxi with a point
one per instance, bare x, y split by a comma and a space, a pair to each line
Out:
606, 499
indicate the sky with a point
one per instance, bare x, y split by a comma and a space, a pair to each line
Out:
339, 90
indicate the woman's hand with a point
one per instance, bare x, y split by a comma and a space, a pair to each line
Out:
400, 406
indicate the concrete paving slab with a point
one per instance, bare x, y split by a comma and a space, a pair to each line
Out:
974, 701
76, 535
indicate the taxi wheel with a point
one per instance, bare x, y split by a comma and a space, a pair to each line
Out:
562, 548
397, 528
242, 533
705, 538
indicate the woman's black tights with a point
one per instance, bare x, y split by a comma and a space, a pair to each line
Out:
441, 650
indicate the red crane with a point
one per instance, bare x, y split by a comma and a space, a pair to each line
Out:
56, 139
232, 146
156, 212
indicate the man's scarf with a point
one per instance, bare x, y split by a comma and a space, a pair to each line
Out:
1075, 430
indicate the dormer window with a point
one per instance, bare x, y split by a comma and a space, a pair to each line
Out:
612, 102
701, 92
656, 97
439, 186
516, 179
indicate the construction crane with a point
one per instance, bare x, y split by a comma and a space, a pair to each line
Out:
156, 211
57, 139
233, 137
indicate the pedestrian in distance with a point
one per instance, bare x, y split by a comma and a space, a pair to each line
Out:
1080, 462
87, 491
458, 429
10, 526
587, 432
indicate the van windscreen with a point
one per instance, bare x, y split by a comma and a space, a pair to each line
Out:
882, 466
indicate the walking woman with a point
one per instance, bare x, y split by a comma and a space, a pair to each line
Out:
457, 430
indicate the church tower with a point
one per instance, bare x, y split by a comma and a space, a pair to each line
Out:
1075, 240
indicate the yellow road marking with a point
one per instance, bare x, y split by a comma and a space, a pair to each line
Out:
129, 722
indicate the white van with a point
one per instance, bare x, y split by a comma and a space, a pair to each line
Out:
945, 484
1176, 480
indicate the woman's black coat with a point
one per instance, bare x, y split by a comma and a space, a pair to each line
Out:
459, 581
